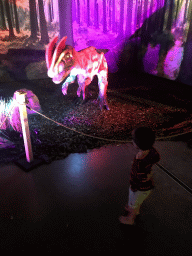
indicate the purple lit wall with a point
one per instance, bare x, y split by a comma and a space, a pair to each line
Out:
141, 35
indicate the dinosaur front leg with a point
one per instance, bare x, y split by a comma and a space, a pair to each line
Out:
69, 80
83, 83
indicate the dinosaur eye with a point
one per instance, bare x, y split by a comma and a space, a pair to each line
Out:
67, 56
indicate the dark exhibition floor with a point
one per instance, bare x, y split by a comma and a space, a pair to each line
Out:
73, 205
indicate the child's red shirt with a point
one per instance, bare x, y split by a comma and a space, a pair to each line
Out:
140, 170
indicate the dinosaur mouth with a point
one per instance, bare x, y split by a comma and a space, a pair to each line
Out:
59, 78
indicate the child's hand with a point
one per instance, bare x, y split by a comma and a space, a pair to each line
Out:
142, 154
149, 176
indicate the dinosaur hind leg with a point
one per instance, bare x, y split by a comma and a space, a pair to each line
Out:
103, 83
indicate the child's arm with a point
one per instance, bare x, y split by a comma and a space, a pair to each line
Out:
142, 154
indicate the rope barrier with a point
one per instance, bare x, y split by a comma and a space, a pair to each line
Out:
74, 130
178, 181
100, 138
88, 135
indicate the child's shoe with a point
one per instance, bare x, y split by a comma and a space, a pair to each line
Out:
130, 218
126, 220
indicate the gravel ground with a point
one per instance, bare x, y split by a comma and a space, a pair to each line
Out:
51, 141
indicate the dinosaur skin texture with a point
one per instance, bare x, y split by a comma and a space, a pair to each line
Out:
64, 63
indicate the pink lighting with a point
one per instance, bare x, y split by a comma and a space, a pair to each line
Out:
123, 27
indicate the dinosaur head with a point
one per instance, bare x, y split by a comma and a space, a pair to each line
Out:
59, 59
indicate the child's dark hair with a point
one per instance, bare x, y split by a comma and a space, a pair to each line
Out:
144, 137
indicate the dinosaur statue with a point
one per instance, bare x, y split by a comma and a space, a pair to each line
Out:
64, 64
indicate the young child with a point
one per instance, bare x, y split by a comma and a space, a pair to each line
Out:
141, 180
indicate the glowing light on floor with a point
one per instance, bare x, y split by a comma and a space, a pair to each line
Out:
75, 166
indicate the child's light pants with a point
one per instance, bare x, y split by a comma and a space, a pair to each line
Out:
137, 198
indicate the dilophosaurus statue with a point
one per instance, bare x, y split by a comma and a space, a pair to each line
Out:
64, 63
